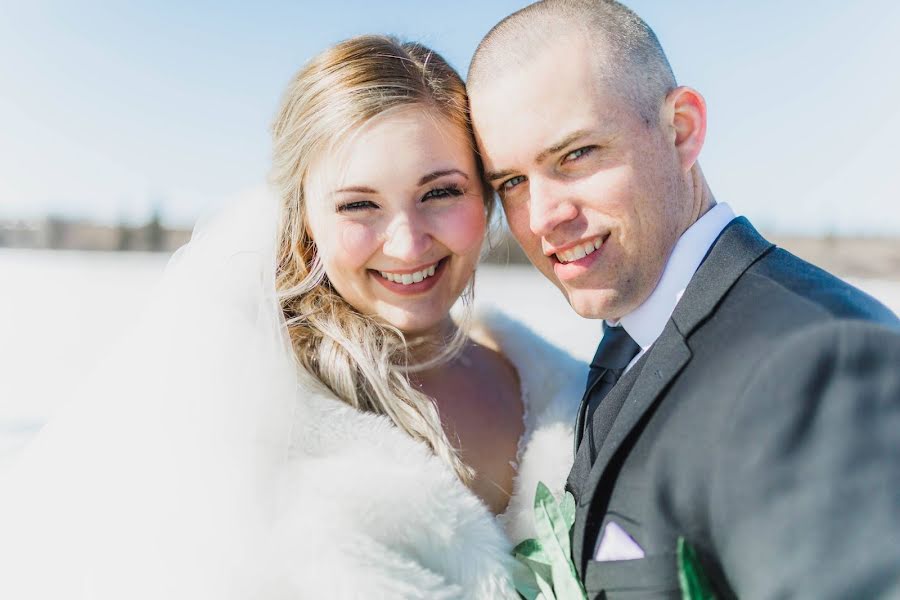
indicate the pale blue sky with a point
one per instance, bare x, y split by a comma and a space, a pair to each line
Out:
107, 110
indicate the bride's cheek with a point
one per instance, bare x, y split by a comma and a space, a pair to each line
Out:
357, 243
463, 227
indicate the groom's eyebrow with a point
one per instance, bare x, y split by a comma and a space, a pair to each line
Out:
561, 145
495, 175
543, 154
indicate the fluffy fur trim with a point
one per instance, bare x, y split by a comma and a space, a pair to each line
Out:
367, 512
370, 513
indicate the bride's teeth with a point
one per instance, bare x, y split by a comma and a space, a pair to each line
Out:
409, 278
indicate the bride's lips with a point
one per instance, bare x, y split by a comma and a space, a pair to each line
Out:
413, 288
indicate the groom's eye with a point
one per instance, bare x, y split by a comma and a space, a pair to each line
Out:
511, 183
576, 154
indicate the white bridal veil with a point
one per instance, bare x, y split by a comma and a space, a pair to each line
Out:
156, 480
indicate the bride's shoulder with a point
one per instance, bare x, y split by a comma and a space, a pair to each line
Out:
550, 377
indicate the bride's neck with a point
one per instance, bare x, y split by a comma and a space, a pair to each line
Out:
427, 346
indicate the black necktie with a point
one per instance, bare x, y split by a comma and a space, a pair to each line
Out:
614, 354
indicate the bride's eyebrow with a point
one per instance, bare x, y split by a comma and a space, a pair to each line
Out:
358, 189
363, 189
438, 174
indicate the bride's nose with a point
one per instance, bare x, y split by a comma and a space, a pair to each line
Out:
407, 239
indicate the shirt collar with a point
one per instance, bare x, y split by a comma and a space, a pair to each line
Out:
646, 323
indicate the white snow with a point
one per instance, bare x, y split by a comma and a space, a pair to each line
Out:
59, 311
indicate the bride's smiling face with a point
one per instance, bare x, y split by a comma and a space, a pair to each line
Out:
397, 214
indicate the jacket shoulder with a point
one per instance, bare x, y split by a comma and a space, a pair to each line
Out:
816, 428
790, 283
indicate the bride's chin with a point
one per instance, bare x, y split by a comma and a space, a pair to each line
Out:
417, 324
417, 328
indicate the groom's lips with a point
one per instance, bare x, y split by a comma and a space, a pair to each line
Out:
577, 268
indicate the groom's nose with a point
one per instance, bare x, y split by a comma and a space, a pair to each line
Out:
549, 206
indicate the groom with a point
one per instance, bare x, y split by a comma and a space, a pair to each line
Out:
741, 399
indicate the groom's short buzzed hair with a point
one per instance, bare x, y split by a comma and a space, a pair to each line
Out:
628, 54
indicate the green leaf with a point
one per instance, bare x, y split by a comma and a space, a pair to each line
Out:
694, 583
567, 507
532, 549
531, 554
550, 523
546, 589
525, 581
553, 534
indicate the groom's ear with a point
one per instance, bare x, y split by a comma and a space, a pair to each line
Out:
684, 114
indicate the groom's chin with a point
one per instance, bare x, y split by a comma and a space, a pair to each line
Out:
594, 304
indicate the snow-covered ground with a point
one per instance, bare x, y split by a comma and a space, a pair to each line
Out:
59, 311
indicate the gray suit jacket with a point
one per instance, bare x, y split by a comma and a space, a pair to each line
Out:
763, 426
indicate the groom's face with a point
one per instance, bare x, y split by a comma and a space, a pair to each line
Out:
589, 181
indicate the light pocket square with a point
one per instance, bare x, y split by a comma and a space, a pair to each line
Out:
616, 544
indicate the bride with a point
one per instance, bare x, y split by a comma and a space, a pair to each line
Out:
296, 415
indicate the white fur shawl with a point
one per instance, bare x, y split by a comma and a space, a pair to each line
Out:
370, 513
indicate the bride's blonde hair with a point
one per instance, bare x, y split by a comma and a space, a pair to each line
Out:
362, 359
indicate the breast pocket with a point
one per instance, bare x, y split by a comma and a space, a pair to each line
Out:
646, 578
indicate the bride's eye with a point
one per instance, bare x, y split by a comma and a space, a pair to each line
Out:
354, 206
443, 192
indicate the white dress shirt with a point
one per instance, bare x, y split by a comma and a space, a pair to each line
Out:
645, 323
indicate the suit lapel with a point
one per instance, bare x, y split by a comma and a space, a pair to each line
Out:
581, 468
664, 361
737, 247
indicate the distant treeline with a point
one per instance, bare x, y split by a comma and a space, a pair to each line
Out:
844, 256
58, 233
